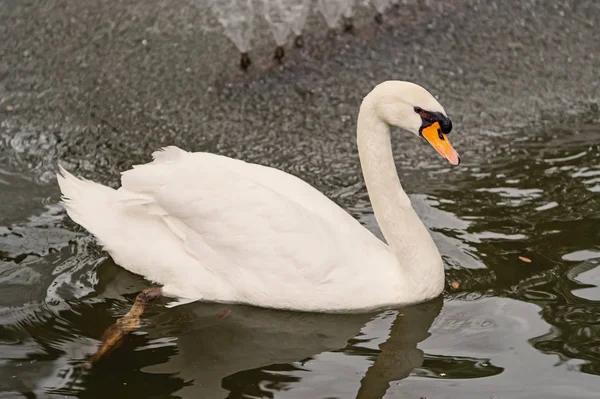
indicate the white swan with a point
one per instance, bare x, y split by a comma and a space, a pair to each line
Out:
211, 228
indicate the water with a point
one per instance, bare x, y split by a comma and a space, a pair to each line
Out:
506, 328
349, 11
237, 19
297, 12
520, 84
380, 5
332, 11
277, 18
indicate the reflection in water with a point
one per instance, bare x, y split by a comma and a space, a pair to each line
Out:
258, 352
399, 355
579, 321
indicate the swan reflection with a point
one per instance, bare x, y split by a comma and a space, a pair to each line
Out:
216, 350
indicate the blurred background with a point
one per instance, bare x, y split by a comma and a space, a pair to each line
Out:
101, 84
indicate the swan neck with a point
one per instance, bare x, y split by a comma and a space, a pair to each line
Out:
405, 233
387, 197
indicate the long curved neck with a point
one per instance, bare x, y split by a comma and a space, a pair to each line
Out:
404, 232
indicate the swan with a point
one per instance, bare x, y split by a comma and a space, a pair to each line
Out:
211, 228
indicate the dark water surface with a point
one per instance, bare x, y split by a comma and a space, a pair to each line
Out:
520, 83
509, 329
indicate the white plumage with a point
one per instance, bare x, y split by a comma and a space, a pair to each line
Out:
213, 228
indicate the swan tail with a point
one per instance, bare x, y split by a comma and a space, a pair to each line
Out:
149, 177
87, 203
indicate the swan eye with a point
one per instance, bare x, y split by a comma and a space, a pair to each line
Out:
428, 118
446, 125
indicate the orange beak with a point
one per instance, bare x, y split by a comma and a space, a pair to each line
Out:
440, 142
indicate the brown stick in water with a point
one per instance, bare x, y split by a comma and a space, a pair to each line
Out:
113, 335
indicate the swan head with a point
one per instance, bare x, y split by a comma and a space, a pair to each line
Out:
412, 108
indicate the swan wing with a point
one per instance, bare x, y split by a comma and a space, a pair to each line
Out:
253, 226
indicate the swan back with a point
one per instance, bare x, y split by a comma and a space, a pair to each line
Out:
273, 239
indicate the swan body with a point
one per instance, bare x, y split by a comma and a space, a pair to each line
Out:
212, 228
